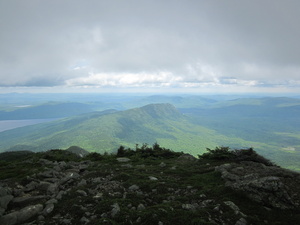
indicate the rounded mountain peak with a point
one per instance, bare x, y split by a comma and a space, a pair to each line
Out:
161, 110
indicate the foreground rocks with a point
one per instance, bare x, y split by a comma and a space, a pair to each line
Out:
19, 203
124, 190
267, 185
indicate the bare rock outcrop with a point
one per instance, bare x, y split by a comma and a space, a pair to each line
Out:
264, 184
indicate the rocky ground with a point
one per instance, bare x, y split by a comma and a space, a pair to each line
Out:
54, 188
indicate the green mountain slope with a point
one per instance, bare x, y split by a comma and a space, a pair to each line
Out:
107, 131
272, 124
191, 132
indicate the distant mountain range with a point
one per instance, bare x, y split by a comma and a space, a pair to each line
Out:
102, 131
190, 124
49, 110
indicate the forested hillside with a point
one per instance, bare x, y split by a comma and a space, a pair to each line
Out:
191, 123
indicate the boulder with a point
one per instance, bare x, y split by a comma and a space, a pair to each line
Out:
115, 210
21, 216
133, 187
141, 207
123, 159
4, 200
31, 186
187, 158
48, 209
255, 181
27, 200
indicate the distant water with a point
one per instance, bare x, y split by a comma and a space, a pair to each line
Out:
11, 124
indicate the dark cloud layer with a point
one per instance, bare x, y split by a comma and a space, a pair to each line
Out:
139, 43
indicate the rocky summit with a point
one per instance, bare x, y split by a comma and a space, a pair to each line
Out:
148, 185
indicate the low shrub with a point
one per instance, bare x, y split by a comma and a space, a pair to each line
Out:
146, 151
251, 155
225, 153
219, 153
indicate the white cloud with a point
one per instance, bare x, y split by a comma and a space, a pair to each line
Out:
126, 80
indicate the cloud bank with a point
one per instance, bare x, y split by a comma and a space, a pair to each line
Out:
154, 44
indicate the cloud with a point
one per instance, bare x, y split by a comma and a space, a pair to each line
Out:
149, 43
126, 80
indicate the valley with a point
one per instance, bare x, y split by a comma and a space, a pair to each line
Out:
187, 123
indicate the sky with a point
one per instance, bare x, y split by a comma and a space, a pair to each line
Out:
150, 45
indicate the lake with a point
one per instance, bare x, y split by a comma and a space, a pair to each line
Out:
11, 124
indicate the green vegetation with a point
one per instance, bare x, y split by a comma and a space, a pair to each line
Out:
225, 153
270, 125
145, 151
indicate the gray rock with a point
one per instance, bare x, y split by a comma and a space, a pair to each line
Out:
187, 158
43, 186
31, 186
133, 187
52, 189
142, 166
241, 221
153, 178
69, 176
84, 220
141, 207
162, 164
57, 168
3, 191
206, 203
104, 215
98, 196
82, 183
217, 208
27, 200
115, 210
9, 219
47, 174
45, 162
202, 196
97, 180
48, 209
60, 194
2, 211
4, 200
81, 192
127, 165
123, 159
62, 164
41, 217
21, 216
66, 221
51, 201
52, 180
233, 206
192, 207
258, 182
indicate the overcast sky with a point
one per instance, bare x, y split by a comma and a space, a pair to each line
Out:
187, 45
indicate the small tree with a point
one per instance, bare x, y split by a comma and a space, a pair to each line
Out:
219, 153
121, 151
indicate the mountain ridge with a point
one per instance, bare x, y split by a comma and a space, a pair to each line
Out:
163, 123
106, 124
